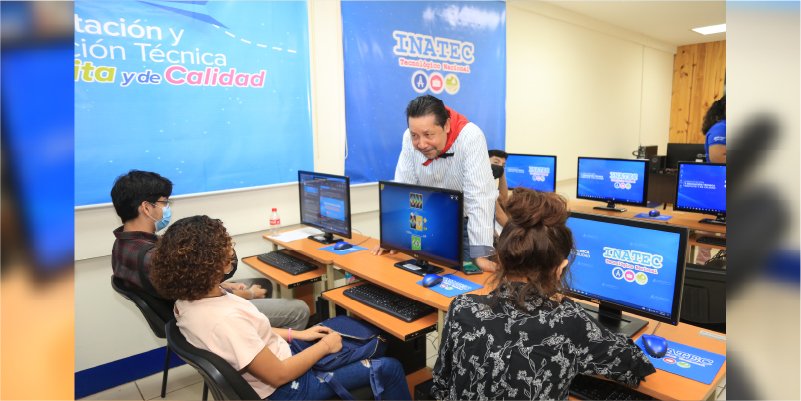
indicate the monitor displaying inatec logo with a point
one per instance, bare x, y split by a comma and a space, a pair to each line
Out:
325, 204
424, 222
628, 265
612, 181
701, 188
535, 172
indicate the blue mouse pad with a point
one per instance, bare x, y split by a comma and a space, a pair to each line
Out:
452, 286
690, 362
330, 248
661, 217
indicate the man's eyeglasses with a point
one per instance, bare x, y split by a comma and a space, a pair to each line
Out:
165, 202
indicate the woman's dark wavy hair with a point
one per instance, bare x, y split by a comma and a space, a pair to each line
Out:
533, 244
189, 259
716, 112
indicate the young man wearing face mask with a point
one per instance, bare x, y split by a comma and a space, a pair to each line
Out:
498, 164
141, 199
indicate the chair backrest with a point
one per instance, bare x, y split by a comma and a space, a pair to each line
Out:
156, 311
704, 299
224, 382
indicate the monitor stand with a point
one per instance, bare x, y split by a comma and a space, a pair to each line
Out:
610, 206
614, 320
720, 219
325, 238
419, 267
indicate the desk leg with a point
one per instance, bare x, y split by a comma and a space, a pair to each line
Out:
440, 323
329, 280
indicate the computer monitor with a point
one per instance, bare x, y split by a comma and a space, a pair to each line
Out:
627, 265
612, 181
325, 204
421, 221
684, 152
701, 188
535, 172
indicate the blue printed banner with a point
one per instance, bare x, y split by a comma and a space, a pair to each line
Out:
213, 95
452, 285
690, 362
395, 51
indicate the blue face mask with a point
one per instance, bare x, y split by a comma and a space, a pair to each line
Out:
166, 213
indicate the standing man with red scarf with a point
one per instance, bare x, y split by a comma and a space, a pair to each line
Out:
441, 148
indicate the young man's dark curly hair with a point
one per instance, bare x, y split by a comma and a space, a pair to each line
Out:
189, 259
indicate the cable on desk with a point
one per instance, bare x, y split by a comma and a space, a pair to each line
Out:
360, 233
656, 328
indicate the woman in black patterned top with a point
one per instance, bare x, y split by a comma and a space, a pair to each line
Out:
525, 340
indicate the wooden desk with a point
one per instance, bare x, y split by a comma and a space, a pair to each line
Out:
392, 325
682, 219
312, 249
382, 271
287, 281
667, 386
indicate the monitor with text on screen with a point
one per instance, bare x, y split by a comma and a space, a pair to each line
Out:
424, 222
535, 172
612, 181
325, 204
627, 265
701, 188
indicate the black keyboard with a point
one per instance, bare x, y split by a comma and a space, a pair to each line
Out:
593, 388
290, 264
719, 241
387, 301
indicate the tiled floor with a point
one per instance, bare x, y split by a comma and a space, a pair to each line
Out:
184, 383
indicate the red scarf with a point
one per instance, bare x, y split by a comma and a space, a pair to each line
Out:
458, 122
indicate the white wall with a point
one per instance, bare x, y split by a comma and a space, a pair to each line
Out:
579, 88
574, 87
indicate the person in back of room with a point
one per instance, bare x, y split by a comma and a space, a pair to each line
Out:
141, 199
442, 149
189, 262
714, 130
525, 340
498, 163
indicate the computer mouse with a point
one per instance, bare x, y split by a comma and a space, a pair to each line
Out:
653, 213
342, 245
654, 345
431, 279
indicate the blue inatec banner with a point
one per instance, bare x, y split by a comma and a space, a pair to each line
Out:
395, 51
214, 95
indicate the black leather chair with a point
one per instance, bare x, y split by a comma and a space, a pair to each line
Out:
157, 313
219, 376
704, 301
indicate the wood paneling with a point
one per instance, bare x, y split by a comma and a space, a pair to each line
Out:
699, 71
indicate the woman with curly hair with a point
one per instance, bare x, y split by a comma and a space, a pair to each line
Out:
189, 262
525, 340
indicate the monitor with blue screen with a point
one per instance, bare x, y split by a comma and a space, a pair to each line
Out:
701, 188
628, 265
535, 172
325, 204
612, 181
421, 221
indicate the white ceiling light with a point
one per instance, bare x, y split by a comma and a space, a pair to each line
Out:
708, 30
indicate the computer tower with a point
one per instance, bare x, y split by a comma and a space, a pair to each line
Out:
422, 391
657, 164
411, 353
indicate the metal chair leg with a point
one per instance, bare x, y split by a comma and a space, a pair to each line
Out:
166, 370
205, 391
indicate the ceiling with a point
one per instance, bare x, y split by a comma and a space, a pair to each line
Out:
667, 21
